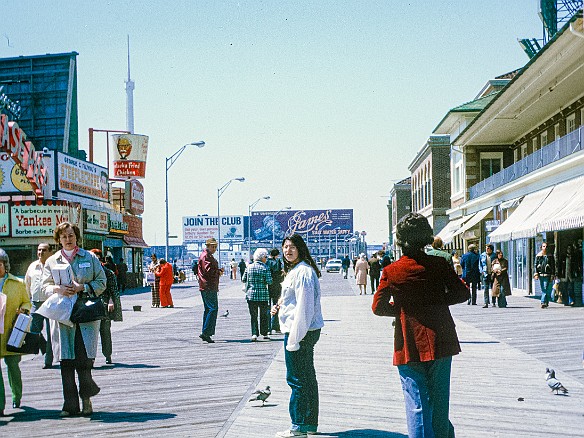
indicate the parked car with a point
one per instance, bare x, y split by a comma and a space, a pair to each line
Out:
333, 265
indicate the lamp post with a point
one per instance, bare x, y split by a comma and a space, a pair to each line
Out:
219, 193
169, 162
249, 223
274, 224
336, 241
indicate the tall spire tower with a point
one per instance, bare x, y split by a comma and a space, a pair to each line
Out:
129, 97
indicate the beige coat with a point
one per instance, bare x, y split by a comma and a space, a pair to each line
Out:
16, 298
361, 269
87, 270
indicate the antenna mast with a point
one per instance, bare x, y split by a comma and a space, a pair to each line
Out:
129, 97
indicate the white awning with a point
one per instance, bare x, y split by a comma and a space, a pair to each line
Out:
564, 207
475, 219
520, 217
447, 233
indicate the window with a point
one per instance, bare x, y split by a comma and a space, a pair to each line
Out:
534, 144
523, 150
544, 138
491, 163
556, 131
581, 116
571, 123
457, 160
516, 155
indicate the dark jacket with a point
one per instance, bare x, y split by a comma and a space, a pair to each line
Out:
374, 267
423, 287
545, 265
209, 272
470, 267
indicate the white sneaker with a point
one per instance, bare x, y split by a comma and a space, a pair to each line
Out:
290, 433
254, 338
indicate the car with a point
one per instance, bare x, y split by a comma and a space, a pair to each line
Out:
333, 265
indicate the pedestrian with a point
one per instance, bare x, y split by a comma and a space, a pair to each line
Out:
437, 250
155, 287
122, 276
79, 341
418, 288
274, 263
374, 272
361, 268
456, 263
17, 301
486, 270
242, 267
165, 273
545, 269
501, 286
33, 280
355, 259
195, 268
470, 271
570, 274
209, 274
109, 263
345, 265
257, 277
233, 266
111, 298
301, 320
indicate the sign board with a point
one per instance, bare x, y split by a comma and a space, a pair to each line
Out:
129, 152
96, 222
201, 228
4, 219
82, 178
37, 220
134, 197
324, 223
117, 224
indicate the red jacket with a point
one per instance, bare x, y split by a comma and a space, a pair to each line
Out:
423, 287
165, 274
208, 273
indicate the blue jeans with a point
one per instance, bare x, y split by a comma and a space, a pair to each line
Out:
546, 289
426, 388
487, 282
211, 304
301, 377
36, 326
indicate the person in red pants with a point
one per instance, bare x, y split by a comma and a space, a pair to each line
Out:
164, 272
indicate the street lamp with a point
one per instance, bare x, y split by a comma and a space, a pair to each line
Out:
219, 193
336, 241
274, 224
169, 162
249, 223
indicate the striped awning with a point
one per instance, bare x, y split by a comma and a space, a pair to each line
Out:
450, 230
564, 207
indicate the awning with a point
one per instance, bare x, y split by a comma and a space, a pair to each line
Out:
520, 217
564, 207
475, 219
447, 233
135, 242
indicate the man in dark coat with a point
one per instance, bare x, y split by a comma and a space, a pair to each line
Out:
470, 271
374, 272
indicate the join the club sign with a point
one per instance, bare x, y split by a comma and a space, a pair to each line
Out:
129, 152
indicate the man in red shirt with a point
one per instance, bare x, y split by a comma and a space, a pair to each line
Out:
208, 276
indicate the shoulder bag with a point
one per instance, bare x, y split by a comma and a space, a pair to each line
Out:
88, 309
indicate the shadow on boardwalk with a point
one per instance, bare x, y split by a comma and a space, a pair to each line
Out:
29, 414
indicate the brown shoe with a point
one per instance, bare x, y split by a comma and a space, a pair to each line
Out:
87, 407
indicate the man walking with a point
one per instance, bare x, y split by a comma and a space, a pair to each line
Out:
276, 268
485, 261
439, 252
374, 272
208, 276
122, 274
33, 281
470, 271
345, 265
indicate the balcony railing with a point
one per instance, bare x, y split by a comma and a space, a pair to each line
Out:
558, 149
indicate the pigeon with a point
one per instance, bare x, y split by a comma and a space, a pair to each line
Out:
261, 394
553, 383
226, 314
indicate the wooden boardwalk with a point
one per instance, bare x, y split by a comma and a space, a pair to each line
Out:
165, 381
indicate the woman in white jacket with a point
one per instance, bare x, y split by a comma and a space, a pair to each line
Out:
300, 320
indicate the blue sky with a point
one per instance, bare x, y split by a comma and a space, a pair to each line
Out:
319, 104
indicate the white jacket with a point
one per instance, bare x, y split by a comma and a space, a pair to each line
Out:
300, 304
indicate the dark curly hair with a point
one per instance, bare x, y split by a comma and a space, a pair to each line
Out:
414, 233
303, 253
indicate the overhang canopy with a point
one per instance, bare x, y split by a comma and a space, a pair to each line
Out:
474, 219
135, 242
564, 208
448, 232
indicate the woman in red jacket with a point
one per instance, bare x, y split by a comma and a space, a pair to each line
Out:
417, 290
164, 272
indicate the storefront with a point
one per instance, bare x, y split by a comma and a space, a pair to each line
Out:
133, 250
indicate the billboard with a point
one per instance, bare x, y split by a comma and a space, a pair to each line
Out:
82, 178
129, 152
311, 223
37, 220
201, 228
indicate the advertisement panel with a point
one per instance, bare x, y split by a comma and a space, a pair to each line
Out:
82, 178
201, 228
134, 197
96, 222
4, 216
129, 153
37, 220
13, 179
313, 223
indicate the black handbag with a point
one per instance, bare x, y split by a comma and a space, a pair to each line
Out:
88, 310
32, 344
